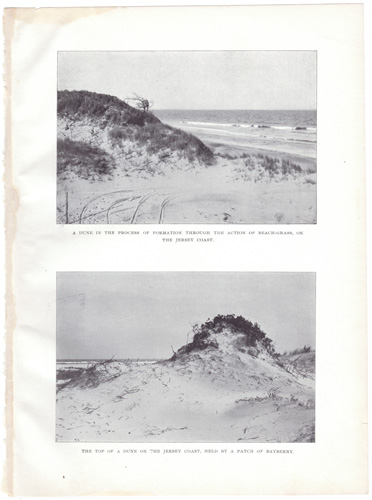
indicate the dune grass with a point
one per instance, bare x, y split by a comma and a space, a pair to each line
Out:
93, 376
83, 159
259, 167
83, 104
125, 123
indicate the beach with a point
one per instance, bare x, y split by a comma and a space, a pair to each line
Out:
280, 136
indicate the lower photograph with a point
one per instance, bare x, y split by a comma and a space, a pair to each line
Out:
180, 357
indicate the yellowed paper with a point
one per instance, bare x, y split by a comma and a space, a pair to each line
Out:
50, 258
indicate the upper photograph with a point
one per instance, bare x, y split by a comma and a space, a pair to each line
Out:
187, 137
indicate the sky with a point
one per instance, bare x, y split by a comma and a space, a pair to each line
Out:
144, 315
196, 79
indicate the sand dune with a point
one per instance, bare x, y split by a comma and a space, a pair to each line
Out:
209, 395
114, 173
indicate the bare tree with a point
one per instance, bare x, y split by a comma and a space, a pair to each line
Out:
141, 102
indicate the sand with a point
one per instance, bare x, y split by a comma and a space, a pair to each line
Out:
163, 403
213, 395
216, 194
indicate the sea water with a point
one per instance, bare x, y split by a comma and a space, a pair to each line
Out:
304, 120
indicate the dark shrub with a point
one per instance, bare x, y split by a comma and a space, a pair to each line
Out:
252, 331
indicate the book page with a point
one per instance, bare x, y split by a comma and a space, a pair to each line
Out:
186, 302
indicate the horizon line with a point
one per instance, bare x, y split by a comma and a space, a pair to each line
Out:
192, 109
233, 109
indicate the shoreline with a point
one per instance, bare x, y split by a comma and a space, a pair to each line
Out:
234, 144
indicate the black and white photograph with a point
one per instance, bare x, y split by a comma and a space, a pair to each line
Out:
186, 357
187, 137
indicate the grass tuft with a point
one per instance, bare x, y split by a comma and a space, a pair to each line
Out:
83, 159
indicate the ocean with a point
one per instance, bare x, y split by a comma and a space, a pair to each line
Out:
276, 119
271, 130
